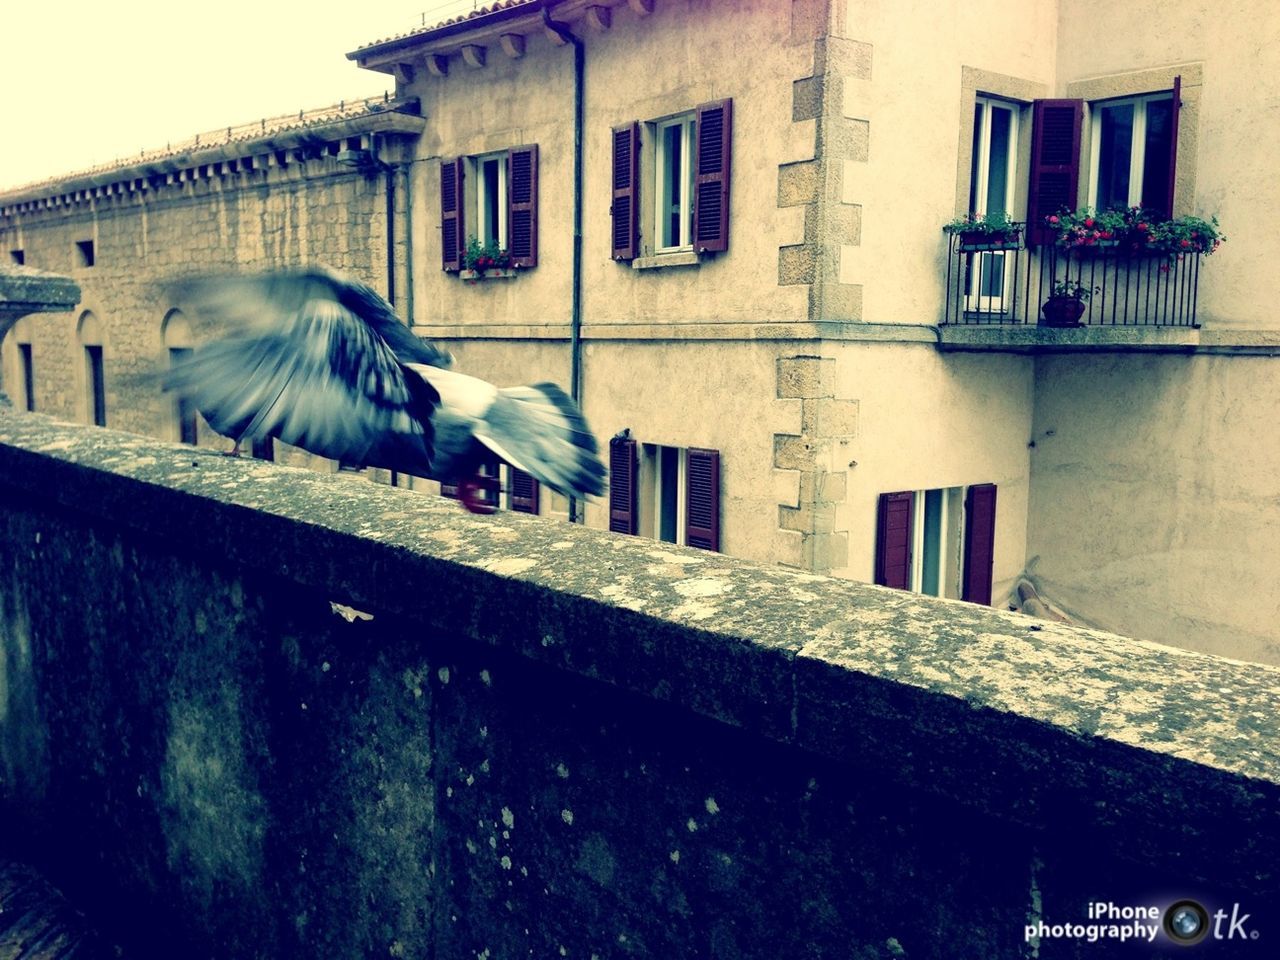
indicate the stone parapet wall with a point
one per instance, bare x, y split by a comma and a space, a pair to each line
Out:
552, 741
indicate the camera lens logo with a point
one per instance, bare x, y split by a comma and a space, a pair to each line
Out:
1186, 922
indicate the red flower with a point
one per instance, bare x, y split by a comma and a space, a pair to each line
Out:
1088, 222
1053, 219
1186, 243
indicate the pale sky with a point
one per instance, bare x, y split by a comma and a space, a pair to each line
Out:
84, 82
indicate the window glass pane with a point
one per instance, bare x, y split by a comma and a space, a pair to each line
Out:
976, 167
669, 464
1114, 154
1155, 160
489, 210
1001, 120
672, 143
932, 559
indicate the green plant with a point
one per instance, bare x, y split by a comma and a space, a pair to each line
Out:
487, 256
996, 226
1189, 235
1136, 231
1073, 289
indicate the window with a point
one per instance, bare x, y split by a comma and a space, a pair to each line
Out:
175, 336
991, 180
184, 413
1132, 155
491, 196
97, 385
684, 160
84, 249
19, 257
502, 487
28, 376
937, 542
673, 189
92, 379
667, 493
1132, 143
500, 190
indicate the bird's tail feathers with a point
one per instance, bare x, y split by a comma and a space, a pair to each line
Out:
540, 430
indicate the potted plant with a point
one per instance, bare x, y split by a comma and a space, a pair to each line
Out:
484, 260
1065, 306
992, 230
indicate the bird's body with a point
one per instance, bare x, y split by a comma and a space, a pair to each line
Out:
322, 362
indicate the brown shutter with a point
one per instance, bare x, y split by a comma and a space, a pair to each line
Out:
979, 542
452, 218
1055, 164
702, 500
893, 540
522, 205
626, 192
524, 492
1173, 145
711, 186
623, 516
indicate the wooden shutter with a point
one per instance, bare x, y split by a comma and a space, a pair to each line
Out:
1055, 164
1173, 146
623, 516
979, 542
522, 205
893, 540
452, 217
626, 192
524, 492
711, 186
702, 499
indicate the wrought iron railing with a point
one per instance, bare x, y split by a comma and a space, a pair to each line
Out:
999, 283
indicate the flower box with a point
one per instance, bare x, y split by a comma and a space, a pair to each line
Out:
493, 273
988, 241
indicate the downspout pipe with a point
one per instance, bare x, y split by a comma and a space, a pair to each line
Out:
575, 311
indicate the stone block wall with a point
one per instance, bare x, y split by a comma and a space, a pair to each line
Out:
279, 208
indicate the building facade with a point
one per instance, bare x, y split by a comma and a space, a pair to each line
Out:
732, 251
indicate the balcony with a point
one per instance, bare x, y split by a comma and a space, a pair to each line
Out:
993, 283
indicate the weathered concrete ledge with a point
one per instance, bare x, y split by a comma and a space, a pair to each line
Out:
1082, 757
1030, 338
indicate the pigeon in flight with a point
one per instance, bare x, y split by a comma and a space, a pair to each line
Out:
321, 361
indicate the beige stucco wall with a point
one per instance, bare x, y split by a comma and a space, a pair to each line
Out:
1238, 126
927, 421
917, 116
1153, 501
510, 102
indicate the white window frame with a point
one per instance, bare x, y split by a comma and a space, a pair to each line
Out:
652, 493
688, 123
482, 196
1137, 146
985, 260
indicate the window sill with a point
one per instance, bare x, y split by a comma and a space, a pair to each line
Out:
685, 258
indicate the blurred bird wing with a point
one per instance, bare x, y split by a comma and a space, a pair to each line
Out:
241, 303
311, 372
539, 430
